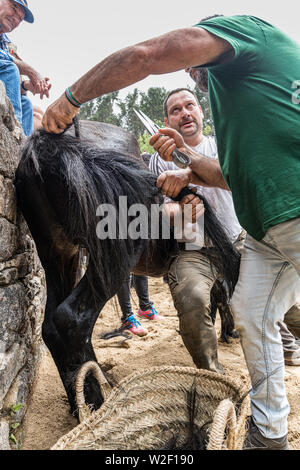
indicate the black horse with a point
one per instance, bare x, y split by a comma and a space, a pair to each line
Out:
61, 181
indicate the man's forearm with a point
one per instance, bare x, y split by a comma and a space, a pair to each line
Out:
24, 68
206, 171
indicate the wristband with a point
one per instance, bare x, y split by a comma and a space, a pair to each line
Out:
71, 98
22, 85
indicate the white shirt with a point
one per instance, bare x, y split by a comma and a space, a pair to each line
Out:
220, 200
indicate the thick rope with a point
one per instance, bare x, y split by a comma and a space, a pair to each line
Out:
83, 409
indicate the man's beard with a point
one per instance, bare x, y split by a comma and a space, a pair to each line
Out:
184, 134
200, 76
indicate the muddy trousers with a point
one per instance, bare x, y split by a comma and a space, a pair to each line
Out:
190, 280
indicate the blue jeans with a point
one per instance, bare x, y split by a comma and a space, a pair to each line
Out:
10, 76
268, 286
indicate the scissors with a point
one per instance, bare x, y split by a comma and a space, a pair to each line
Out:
179, 158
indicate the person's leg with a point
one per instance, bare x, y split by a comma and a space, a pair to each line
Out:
10, 76
141, 286
267, 287
292, 319
146, 309
124, 300
128, 319
291, 348
27, 115
191, 280
290, 330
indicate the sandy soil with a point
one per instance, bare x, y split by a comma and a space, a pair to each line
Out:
48, 416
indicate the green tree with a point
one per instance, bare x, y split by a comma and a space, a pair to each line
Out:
103, 109
152, 103
128, 117
143, 141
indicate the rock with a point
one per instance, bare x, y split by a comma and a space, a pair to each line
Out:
13, 361
8, 276
10, 137
8, 206
4, 433
22, 283
8, 237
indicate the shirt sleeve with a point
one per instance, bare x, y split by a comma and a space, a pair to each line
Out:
244, 33
157, 164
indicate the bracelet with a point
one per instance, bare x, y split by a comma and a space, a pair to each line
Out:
22, 85
71, 98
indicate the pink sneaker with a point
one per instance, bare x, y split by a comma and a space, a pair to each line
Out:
133, 325
150, 314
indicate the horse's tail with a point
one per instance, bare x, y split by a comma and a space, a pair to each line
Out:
220, 301
223, 255
78, 178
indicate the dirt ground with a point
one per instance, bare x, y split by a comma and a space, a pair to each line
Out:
48, 416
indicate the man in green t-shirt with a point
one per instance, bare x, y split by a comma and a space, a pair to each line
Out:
253, 73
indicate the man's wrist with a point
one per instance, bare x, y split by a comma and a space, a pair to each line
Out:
23, 86
189, 173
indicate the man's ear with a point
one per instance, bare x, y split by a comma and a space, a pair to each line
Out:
166, 122
201, 110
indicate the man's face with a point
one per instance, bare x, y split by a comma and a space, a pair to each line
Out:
11, 15
184, 114
200, 77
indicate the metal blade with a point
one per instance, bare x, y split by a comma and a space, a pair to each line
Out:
150, 126
179, 158
150, 122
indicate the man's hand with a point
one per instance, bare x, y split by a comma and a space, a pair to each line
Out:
165, 141
59, 115
173, 181
197, 206
38, 86
191, 204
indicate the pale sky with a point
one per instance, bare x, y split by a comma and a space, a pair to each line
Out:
69, 37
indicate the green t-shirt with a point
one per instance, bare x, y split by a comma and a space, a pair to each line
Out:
257, 120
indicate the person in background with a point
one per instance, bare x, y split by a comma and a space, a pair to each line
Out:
146, 309
12, 13
38, 114
140, 283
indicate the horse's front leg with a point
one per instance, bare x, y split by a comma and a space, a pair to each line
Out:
70, 325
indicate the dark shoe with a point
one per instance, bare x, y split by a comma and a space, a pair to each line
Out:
256, 441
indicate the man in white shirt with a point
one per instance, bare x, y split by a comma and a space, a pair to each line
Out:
191, 276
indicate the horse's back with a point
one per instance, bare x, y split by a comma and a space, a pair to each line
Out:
109, 136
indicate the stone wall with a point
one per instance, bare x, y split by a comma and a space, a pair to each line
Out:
22, 288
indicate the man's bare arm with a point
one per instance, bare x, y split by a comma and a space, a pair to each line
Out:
36, 83
206, 171
202, 171
168, 53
